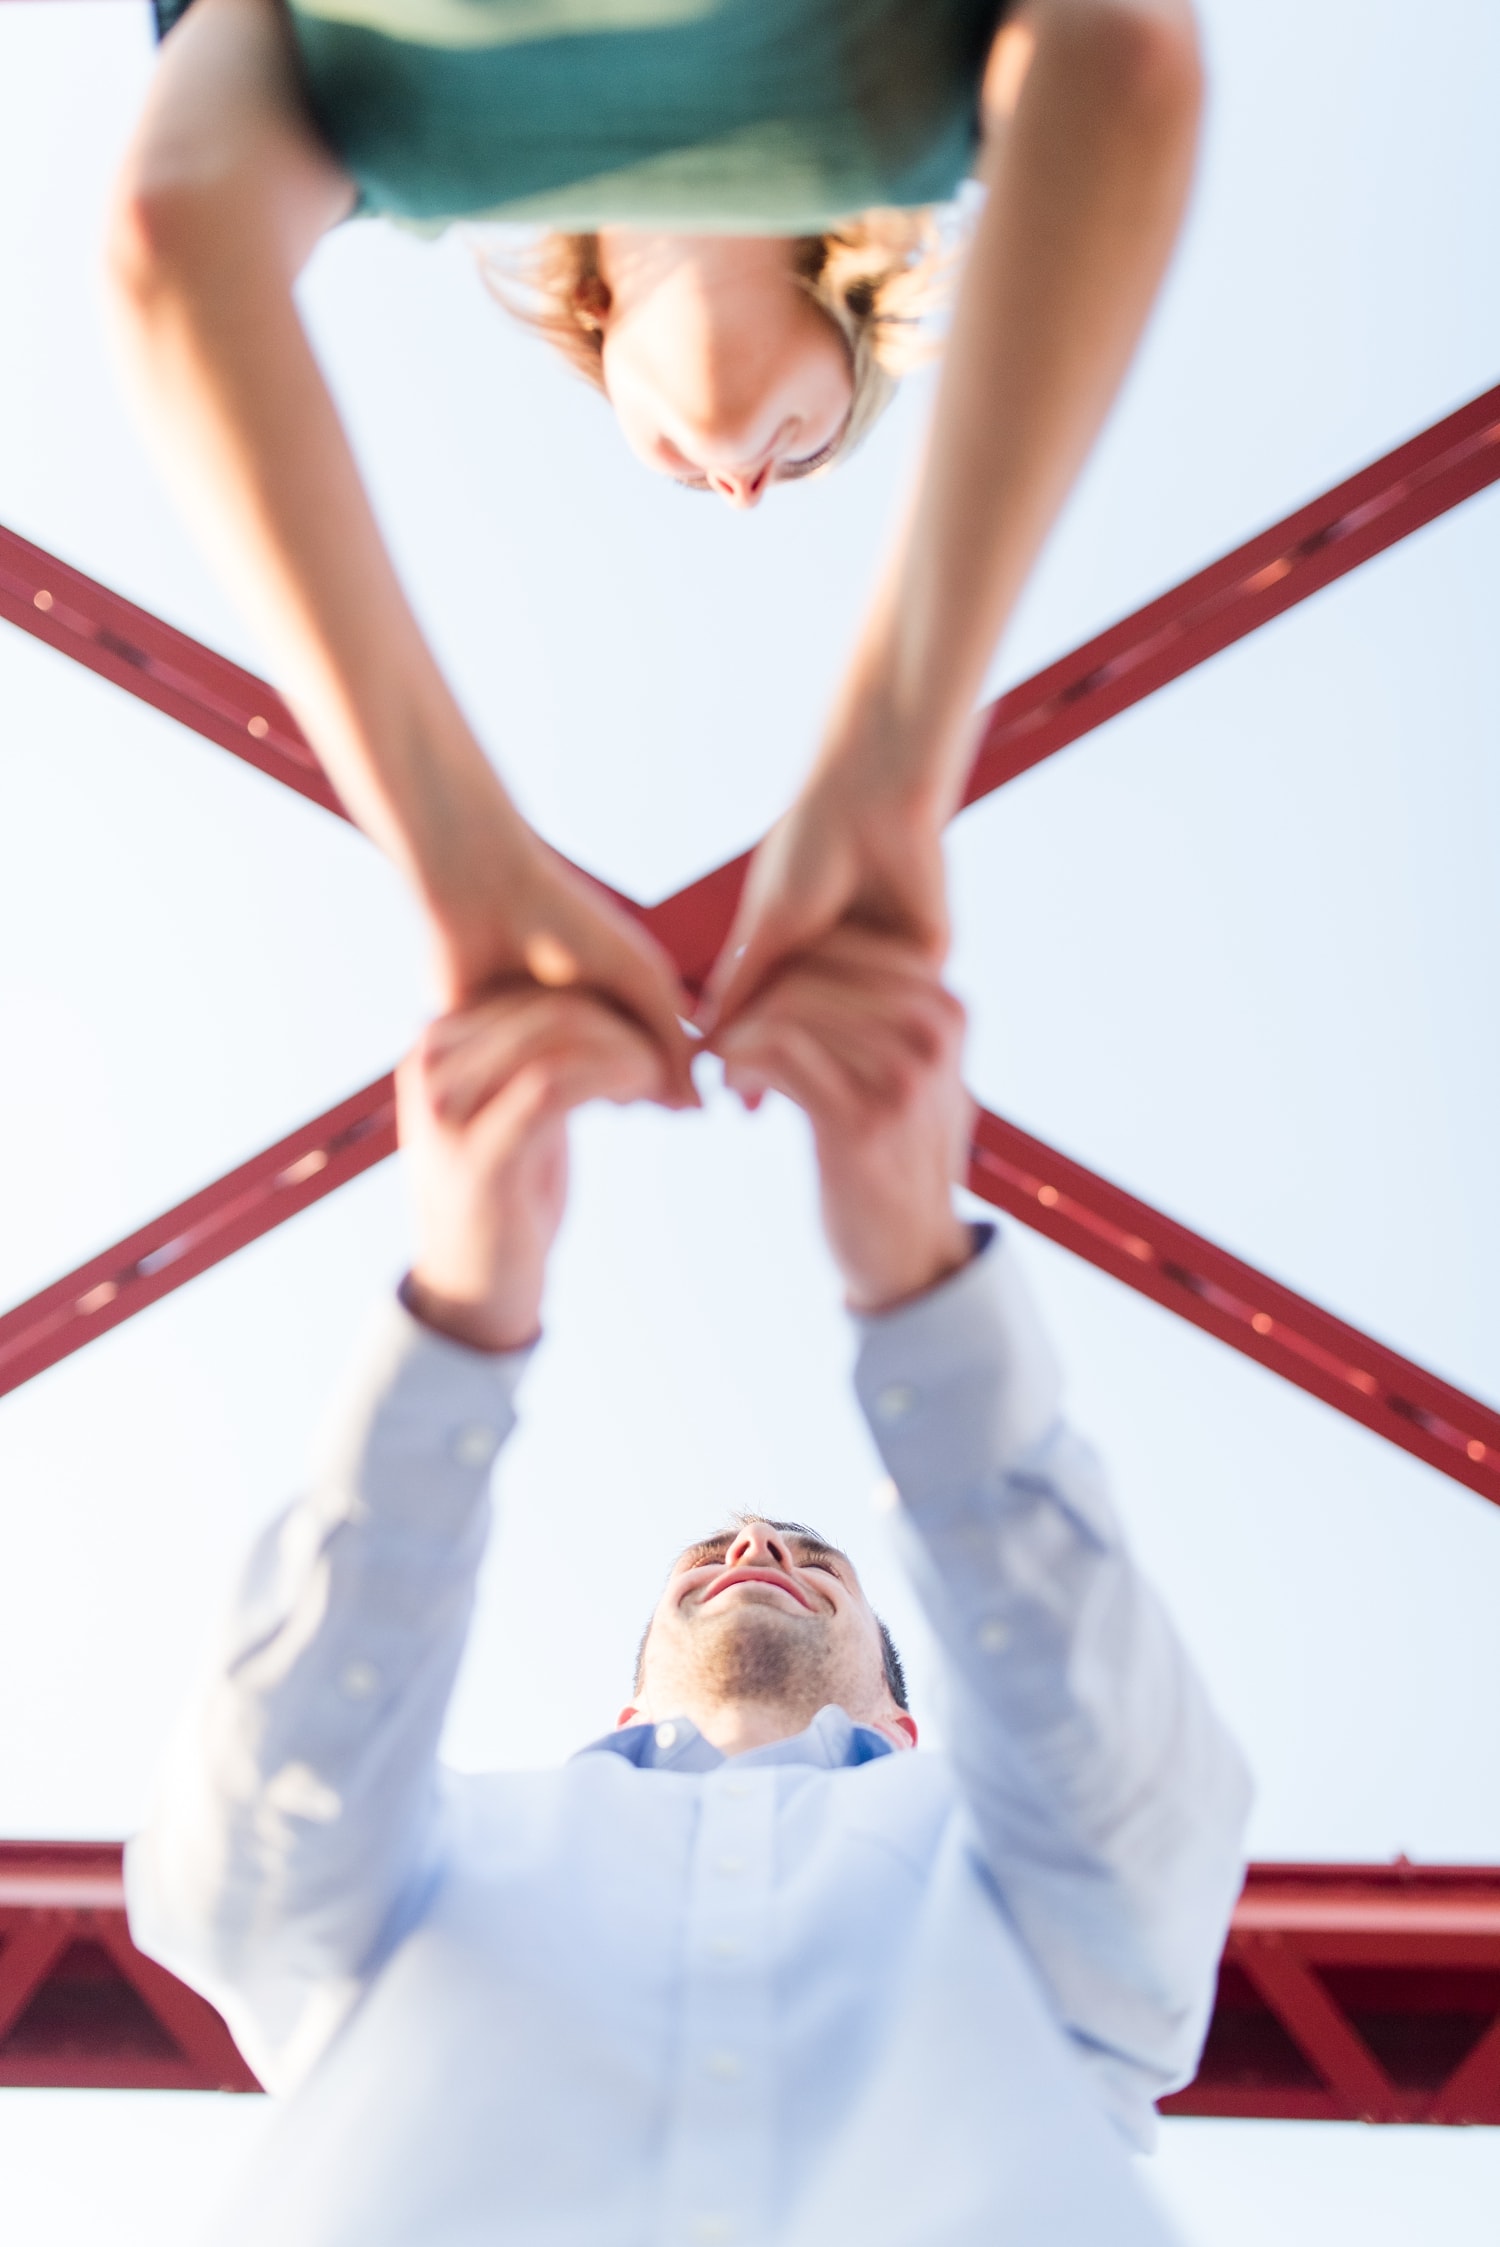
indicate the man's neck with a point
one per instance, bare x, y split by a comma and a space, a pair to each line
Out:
734, 1727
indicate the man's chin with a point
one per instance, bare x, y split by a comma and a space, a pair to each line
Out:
758, 1649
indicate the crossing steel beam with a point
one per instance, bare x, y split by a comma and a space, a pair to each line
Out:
174, 1248
156, 663
1360, 517
1357, 1993
1231, 1300
80, 2006
1097, 1221
1346, 1993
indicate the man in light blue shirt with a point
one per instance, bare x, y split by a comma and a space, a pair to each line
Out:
749, 1970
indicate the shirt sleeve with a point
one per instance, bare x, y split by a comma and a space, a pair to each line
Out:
295, 1827
1108, 1800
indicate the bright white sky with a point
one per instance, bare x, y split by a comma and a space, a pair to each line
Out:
1241, 952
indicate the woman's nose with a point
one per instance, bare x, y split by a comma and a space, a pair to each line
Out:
742, 487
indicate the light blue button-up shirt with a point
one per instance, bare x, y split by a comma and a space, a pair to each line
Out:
822, 1992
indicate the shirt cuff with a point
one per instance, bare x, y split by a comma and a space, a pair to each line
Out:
960, 1382
414, 1437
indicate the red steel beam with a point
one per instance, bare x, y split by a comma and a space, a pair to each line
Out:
1231, 1300
1346, 1992
1357, 519
1097, 1221
175, 1247
1271, 573
1147, 1251
1357, 1993
80, 2007
158, 664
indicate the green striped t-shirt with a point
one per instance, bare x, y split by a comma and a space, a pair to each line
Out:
763, 116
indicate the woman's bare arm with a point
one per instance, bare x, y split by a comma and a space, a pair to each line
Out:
226, 192
1087, 179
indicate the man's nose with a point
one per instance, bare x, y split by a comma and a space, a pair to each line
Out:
758, 1546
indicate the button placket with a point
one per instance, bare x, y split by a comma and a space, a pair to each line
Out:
720, 2150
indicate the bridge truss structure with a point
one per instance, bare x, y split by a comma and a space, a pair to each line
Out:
1346, 1992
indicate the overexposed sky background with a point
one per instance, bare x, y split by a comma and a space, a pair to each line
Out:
1239, 951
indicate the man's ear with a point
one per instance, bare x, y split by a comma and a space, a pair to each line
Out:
630, 1714
899, 1728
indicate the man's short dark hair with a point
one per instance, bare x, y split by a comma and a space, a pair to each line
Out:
895, 1673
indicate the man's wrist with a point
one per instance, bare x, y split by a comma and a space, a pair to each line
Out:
872, 1292
492, 1324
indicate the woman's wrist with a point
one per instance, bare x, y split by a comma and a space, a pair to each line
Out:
869, 773
475, 861
886, 749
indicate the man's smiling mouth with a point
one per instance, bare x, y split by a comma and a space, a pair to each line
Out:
734, 1576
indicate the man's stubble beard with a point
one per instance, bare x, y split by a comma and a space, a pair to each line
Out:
756, 1654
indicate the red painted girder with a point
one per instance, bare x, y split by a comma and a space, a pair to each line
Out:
1346, 1992
1231, 1300
1384, 502
1370, 511
1357, 1993
159, 664
1357, 519
80, 2007
1045, 1190
175, 1247
1333, 534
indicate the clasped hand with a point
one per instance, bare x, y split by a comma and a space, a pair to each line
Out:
845, 855
858, 1031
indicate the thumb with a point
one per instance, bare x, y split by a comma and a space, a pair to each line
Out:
651, 989
754, 948
640, 976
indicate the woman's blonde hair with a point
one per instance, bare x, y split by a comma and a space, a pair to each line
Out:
880, 278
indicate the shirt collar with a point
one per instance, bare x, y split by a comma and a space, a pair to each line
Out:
832, 1742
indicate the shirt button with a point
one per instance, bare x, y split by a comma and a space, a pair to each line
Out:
885, 1497
476, 1445
736, 1788
298, 1792
725, 2065
993, 1635
895, 1402
359, 1680
730, 1865
665, 1735
726, 1946
711, 2231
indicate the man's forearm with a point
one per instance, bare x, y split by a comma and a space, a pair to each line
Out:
1108, 1800
299, 1803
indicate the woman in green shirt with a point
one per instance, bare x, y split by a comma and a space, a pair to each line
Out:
736, 192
